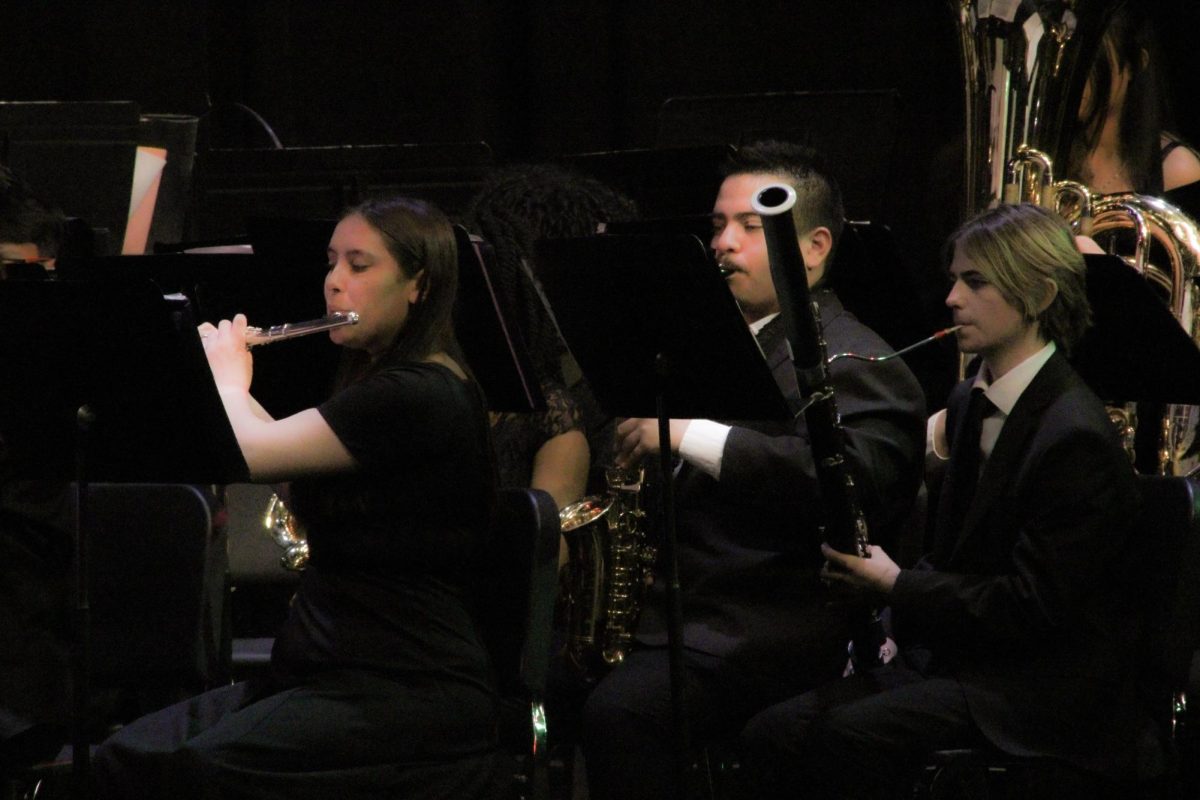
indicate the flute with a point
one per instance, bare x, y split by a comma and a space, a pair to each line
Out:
290, 330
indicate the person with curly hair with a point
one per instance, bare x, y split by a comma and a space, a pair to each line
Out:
564, 449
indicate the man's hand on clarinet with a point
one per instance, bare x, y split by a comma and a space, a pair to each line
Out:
877, 573
637, 437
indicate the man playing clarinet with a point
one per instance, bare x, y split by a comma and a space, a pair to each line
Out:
758, 626
1015, 632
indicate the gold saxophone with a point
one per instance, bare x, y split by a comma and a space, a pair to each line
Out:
286, 531
1025, 75
609, 561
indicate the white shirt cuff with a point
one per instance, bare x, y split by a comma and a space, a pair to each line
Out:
703, 445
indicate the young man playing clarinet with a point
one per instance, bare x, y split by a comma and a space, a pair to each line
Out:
1015, 632
758, 626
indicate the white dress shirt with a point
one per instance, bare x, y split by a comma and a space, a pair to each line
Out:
703, 443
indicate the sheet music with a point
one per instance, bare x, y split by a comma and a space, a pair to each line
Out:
147, 173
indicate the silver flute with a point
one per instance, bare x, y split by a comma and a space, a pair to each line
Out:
290, 330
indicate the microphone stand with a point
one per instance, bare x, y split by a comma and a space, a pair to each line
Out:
685, 773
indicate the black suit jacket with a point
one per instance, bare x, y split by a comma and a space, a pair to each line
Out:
749, 552
1026, 602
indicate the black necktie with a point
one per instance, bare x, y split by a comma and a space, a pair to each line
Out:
968, 458
768, 336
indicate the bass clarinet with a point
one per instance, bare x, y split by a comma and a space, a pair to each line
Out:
845, 526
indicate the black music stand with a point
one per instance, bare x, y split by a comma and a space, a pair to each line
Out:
110, 384
291, 240
231, 186
1135, 350
282, 282
856, 130
626, 303
175, 133
698, 225
658, 334
867, 275
663, 182
493, 346
269, 290
79, 154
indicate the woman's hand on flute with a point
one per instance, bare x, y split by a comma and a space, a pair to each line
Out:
228, 356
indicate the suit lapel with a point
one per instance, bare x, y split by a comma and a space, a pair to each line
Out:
1012, 446
773, 343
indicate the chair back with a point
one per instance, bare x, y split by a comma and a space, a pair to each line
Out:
515, 590
1168, 537
157, 587
1163, 563
517, 585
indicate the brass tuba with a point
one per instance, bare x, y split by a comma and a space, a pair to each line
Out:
1026, 65
609, 561
1165, 248
1025, 73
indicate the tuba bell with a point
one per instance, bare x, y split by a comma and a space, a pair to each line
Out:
1025, 67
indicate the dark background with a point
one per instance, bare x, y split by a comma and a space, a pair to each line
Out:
534, 80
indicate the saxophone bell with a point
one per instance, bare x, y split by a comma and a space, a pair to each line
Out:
609, 564
285, 530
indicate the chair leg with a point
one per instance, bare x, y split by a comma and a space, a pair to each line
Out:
31, 786
538, 772
959, 781
719, 772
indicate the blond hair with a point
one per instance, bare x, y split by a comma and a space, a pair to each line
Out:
1029, 253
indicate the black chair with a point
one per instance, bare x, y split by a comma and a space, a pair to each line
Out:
1169, 541
514, 591
1165, 554
515, 594
158, 589
159, 583
262, 587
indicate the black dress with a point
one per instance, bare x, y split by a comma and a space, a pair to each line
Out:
518, 437
380, 685
1187, 196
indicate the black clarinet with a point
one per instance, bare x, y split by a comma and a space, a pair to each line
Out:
845, 527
